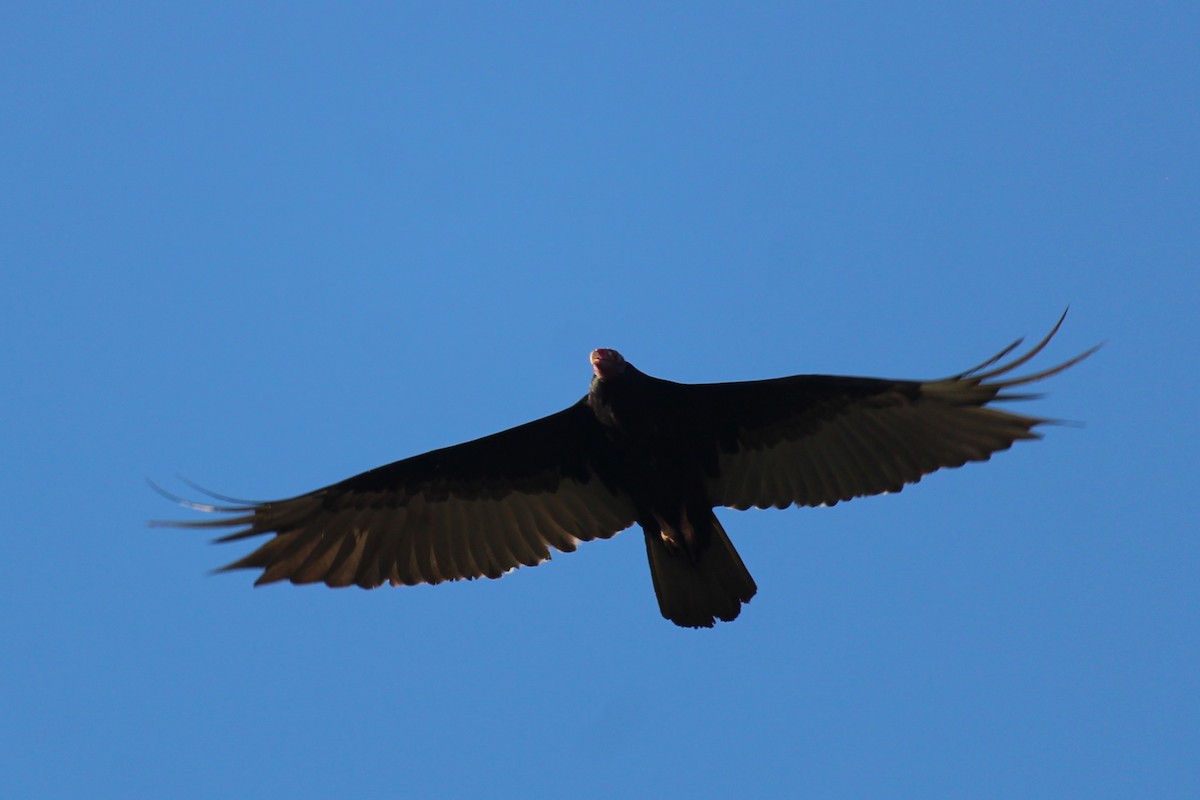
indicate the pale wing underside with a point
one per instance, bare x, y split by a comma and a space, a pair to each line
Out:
851, 446
367, 539
474, 510
864, 451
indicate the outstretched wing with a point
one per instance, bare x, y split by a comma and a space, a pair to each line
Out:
473, 510
815, 439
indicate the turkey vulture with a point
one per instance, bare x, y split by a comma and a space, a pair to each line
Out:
636, 449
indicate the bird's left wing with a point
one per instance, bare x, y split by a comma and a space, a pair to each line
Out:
817, 439
473, 510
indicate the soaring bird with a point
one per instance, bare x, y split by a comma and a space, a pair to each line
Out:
636, 449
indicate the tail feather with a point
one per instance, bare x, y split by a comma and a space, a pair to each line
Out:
695, 590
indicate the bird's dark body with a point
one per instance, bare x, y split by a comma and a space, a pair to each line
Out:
635, 449
643, 420
647, 423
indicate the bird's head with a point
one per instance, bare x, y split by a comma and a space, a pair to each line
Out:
607, 363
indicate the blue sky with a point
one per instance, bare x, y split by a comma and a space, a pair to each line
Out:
266, 246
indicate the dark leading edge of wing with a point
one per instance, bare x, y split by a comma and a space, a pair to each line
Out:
473, 510
815, 440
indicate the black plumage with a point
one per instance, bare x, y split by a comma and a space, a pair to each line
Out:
636, 449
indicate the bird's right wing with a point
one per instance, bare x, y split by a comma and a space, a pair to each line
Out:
817, 439
473, 510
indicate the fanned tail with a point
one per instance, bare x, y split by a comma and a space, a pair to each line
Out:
695, 590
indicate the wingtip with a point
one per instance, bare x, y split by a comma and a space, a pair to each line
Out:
238, 501
208, 508
998, 371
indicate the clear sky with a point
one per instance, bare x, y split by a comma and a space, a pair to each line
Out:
266, 246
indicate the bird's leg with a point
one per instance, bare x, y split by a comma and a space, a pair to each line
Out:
666, 532
680, 539
689, 532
